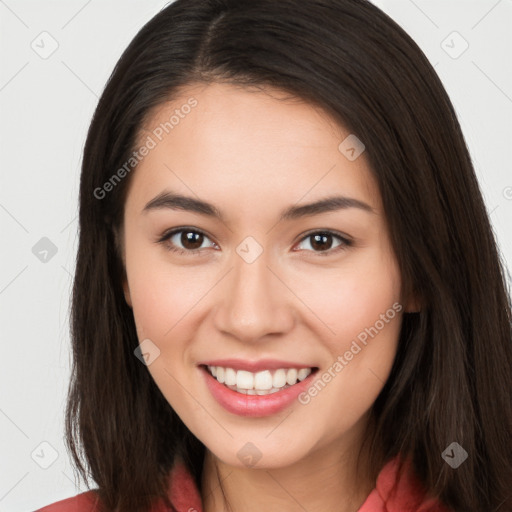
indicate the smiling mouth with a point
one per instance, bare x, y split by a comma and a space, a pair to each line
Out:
261, 383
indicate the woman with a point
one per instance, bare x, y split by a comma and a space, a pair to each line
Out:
287, 294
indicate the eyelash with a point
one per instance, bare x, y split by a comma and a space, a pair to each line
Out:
346, 242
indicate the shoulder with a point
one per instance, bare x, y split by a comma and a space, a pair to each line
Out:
84, 502
396, 492
182, 493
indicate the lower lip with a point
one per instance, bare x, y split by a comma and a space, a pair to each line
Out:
254, 405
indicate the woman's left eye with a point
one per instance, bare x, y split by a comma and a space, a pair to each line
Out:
322, 240
193, 239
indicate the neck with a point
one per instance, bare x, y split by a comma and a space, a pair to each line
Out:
325, 479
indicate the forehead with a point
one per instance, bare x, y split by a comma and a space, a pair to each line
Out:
221, 139
250, 108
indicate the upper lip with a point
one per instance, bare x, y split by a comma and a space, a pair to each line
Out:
255, 366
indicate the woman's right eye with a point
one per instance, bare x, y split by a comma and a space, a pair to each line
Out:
186, 237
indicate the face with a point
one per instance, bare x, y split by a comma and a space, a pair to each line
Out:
317, 289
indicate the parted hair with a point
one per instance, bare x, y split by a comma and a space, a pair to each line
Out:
451, 380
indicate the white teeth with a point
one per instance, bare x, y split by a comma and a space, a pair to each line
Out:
244, 380
230, 377
279, 379
291, 376
303, 373
260, 383
263, 380
259, 392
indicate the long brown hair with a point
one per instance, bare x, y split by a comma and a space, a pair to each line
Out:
451, 380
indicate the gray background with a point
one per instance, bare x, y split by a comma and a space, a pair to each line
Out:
46, 103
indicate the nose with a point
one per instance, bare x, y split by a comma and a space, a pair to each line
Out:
254, 302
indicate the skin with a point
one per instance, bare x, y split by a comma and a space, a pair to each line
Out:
253, 155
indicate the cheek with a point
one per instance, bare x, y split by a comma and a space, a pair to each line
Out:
362, 308
161, 301
163, 309
161, 293
350, 299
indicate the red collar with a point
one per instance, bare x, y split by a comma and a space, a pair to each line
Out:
408, 495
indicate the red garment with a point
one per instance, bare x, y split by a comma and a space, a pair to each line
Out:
185, 497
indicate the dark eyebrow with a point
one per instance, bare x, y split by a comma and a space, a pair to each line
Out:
175, 201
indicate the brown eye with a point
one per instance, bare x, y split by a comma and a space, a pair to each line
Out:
322, 242
184, 240
191, 239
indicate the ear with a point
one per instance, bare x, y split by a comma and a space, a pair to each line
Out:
120, 254
126, 290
